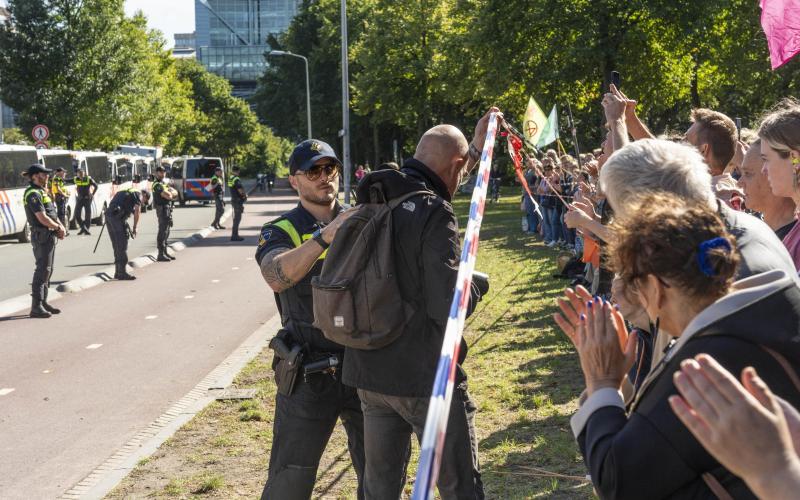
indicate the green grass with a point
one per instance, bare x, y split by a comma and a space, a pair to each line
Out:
523, 374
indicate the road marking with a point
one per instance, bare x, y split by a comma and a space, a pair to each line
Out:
151, 317
234, 269
249, 258
46, 371
93, 346
6, 390
188, 297
215, 281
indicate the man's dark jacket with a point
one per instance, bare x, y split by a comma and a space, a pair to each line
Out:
426, 257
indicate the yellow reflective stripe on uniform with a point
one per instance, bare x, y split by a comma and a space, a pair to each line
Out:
45, 199
289, 229
82, 182
232, 180
297, 239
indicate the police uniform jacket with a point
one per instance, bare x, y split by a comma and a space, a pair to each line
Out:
36, 199
296, 304
217, 190
124, 203
235, 183
158, 188
83, 186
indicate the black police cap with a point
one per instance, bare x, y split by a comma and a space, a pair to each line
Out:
309, 152
160, 169
36, 169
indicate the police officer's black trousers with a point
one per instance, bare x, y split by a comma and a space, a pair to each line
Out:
303, 425
61, 210
44, 251
388, 424
238, 208
119, 241
164, 215
219, 206
83, 212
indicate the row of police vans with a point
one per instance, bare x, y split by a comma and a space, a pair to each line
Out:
128, 167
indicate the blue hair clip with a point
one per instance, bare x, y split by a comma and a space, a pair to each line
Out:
702, 254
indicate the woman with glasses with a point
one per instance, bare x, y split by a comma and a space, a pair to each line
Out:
679, 261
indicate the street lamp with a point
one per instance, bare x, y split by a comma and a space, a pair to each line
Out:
345, 105
308, 88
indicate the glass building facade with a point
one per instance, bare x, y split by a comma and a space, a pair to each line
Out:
231, 36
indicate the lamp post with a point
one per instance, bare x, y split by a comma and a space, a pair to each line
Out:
345, 107
308, 88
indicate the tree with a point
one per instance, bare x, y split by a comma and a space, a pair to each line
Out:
61, 59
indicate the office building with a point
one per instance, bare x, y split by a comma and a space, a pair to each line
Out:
231, 37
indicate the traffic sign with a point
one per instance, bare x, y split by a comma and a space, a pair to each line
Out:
40, 132
41, 145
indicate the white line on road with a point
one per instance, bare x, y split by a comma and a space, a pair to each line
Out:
234, 269
152, 316
215, 281
5, 391
45, 371
249, 258
188, 297
93, 346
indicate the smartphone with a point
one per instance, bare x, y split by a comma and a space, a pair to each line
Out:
615, 79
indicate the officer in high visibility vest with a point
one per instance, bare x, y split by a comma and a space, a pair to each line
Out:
124, 204
218, 192
238, 197
60, 194
45, 229
162, 200
309, 401
86, 187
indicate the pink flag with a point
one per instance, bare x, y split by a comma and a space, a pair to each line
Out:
781, 22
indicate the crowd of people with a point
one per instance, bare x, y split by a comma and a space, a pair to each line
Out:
688, 328
686, 325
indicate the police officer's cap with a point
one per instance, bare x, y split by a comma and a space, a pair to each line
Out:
160, 169
36, 169
309, 152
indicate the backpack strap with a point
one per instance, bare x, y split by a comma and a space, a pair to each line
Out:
395, 202
787, 367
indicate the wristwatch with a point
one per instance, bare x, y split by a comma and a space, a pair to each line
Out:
317, 236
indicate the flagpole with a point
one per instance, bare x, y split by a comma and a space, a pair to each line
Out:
574, 135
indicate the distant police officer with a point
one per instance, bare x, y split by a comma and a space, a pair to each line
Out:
86, 188
162, 200
238, 197
60, 195
218, 192
45, 228
290, 252
123, 204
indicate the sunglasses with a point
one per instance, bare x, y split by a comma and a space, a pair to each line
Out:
331, 170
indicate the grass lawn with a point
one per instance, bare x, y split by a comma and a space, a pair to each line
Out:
523, 374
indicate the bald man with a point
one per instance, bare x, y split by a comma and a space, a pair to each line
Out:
778, 212
394, 383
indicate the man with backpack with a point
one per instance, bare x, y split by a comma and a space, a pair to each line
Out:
311, 396
391, 311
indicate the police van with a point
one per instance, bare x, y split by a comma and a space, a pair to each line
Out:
191, 177
13, 161
95, 164
131, 171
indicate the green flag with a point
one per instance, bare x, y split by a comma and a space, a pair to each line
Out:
550, 131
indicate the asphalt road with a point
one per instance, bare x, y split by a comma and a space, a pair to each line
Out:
74, 255
78, 386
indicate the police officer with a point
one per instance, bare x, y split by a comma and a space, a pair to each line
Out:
162, 200
45, 228
238, 197
123, 204
60, 194
291, 250
86, 188
218, 192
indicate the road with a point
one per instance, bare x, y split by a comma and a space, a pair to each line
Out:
74, 256
76, 387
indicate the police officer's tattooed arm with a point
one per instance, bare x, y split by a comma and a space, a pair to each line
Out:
282, 268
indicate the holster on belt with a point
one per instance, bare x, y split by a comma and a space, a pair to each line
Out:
288, 361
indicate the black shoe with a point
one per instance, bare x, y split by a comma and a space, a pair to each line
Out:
124, 277
37, 311
87, 233
215, 225
220, 226
163, 258
53, 310
237, 238
170, 256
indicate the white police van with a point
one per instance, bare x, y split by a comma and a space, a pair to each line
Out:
14, 160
